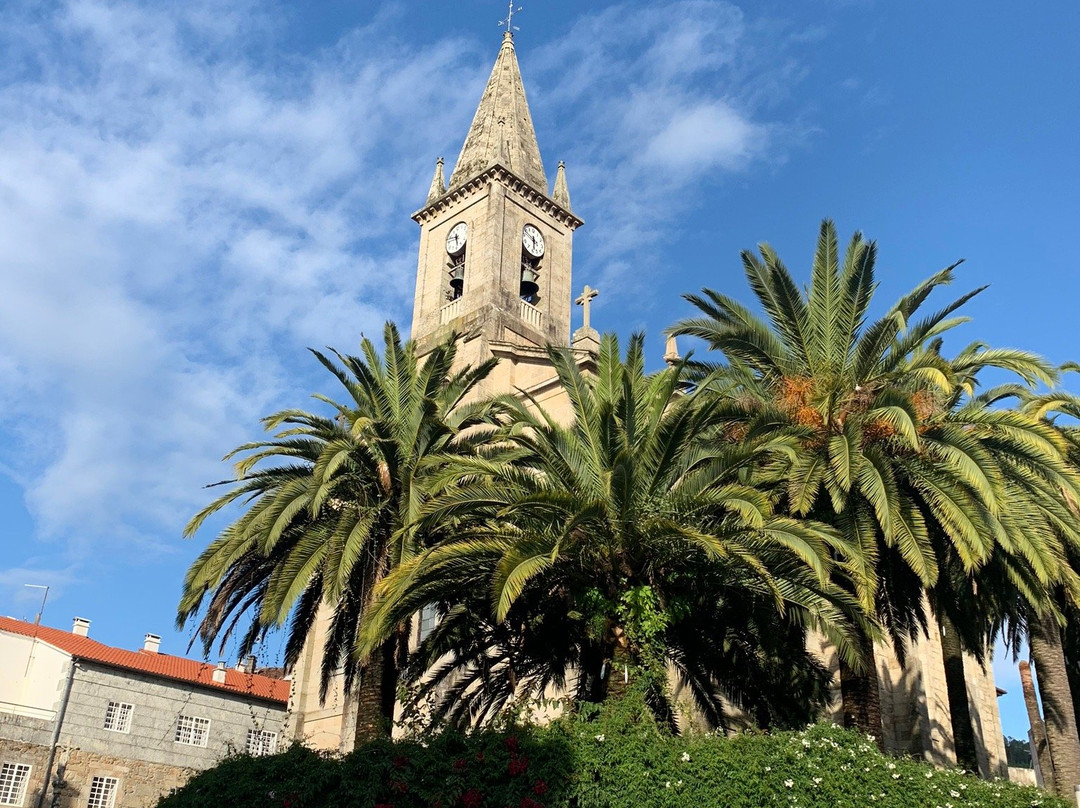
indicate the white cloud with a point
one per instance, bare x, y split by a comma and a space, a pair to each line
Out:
177, 220
705, 136
184, 206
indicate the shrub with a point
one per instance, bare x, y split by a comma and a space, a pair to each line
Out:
602, 759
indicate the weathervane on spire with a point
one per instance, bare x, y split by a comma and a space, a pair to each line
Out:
509, 21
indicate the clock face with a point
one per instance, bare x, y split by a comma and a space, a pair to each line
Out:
455, 239
532, 241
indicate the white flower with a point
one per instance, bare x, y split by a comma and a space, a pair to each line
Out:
600, 738
890, 765
678, 783
768, 768
667, 784
806, 743
896, 777
929, 775
817, 781
953, 793
789, 783
685, 757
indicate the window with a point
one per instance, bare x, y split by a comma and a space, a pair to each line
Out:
13, 777
429, 618
118, 716
261, 742
102, 792
192, 731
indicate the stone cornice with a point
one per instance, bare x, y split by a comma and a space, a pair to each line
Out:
586, 360
513, 182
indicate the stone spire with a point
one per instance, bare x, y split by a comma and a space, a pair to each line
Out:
438, 182
561, 193
502, 130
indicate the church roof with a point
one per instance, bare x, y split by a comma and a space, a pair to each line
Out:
502, 130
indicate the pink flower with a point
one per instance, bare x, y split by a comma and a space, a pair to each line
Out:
511, 743
540, 788
460, 764
472, 798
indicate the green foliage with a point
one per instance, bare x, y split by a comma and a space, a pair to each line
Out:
622, 540
607, 757
1018, 752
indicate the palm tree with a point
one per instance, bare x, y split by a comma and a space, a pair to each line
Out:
330, 505
1051, 630
884, 451
618, 545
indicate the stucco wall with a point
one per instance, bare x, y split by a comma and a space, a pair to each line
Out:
31, 676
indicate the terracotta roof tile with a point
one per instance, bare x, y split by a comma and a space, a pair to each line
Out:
164, 665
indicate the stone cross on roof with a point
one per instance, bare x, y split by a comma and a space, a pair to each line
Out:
585, 300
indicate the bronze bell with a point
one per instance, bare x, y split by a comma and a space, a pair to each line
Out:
529, 287
457, 280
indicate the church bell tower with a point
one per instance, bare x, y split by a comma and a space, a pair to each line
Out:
495, 244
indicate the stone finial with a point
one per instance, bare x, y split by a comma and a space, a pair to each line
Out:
438, 182
561, 192
671, 352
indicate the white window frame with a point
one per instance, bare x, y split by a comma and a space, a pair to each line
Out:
14, 778
103, 792
428, 622
192, 730
118, 716
261, 742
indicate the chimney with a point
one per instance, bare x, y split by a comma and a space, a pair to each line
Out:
219, 673
151, 643
247, 664
81, 627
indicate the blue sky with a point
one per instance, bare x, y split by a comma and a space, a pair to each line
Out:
190, 197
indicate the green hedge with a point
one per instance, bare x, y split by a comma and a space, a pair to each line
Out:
618, 758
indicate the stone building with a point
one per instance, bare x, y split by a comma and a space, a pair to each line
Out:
495, 266
86, 725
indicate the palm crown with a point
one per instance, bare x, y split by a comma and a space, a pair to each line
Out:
331, 501
616, 522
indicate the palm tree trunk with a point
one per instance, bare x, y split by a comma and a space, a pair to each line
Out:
1074, 688
618, 674
1059, 714
861, 698
956, 685
376, 695
1038, 729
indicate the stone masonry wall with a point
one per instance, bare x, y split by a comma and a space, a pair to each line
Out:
139, 784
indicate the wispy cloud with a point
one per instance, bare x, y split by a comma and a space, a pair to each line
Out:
652, 105
177, 220
183, 207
